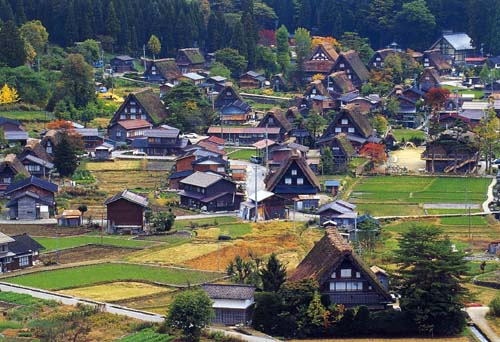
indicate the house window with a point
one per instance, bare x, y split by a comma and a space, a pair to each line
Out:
294, 172
157, 140
118, 133
32, 167
228, 93
345, 121
374, 63
300, 181
358, 275
345, 273
133, 110
288, 181
7, 180
132, 117
24, 261
123, 117
349, 76
49, 149
338, 129
378, 58
143, 116
426, 65
342, 65
270, 121
350, 130
427, 78
221, 203
335, 148
334, 274
354, 286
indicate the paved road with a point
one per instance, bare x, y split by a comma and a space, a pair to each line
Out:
251, 177
477, 316
21, 222
486, 204
207, 215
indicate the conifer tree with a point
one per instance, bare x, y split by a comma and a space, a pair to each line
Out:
273, 274
65, 156
112, 22
283, 48
12, 51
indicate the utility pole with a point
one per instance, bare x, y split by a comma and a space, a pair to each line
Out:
255, 195
144, 56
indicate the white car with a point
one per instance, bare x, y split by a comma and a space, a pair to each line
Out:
190, 135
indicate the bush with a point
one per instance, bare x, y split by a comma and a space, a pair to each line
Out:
495, 306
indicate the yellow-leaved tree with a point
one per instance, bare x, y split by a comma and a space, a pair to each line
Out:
8, 95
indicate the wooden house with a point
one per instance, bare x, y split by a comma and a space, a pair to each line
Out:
342, 151
209, 163
494, 247
103, 152
321, 61
209, 191
276, 118
70, 218
91, 138
125, 212
318, 98
233, 304
194, 78
238, 172
122, 63
355, 126
270, 206
430, 79
341, 274
332, 187
139, 112
407, 99
18, 252
14, 138
189, 60
279, 83
9, 125
377, 59
245, 135
435, 59
162, 71
36, 160
10, 167
292, 179
230, 105
338, 84
456, 46
162, 141
252, 80
446, 154
382, 276
31, 198
340, 212
353, 66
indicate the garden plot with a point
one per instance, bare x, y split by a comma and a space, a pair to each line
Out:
88, 253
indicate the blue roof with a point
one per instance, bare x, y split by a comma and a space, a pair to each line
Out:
34, 181
181, 174
332, 183
140, 143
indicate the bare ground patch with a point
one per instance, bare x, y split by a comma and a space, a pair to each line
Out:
40, 230
88, 253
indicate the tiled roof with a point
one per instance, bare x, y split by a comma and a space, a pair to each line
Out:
134, 124
459, 41
41, 183
264, 143
226, 291
39, 161
162, 133
201, 179
243, 130
129, 196
24, 244
124, 58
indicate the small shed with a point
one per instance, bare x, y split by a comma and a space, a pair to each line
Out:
233, 304
382, 276
70, 218
238, 172
306, 202
271, 206
332, 186
494, 247
103, 152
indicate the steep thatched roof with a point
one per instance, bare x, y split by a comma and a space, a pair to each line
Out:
279, 117
14, 164
167, 67
152, 104
356, 64
345, 144
301, 163
193, 55
342, 81
328, 254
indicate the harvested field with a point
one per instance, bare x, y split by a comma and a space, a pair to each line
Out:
51, 244
414, 339
178, 254
87, 253
112, 182
116, 291
40, 230
156, 303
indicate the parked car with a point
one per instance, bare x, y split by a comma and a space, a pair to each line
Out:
256, 160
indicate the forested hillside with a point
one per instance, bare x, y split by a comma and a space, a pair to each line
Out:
125, 25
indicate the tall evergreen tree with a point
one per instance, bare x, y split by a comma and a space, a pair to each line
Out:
495, 31
248, 22
283, 49
112, 23
65, 155
302, 50
273, 274
12, 51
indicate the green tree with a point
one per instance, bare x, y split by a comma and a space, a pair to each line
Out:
3, 141
163, 221
487, 136
240, 270
353, 41
273, 274
484, 74
154, 45
327, 166
219, 69
494, 33
265, 18
77, 81
315, 316
83, 209
266, 316
283, 49
90, 50
12, 51
65, 155
112, 24
380, 124
430, 275
248, 22
266, 59
314, 124
35, 34
302, 49
191, 311
415, 25
232, 59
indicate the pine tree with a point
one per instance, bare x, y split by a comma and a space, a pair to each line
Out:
273, 274
495, 31
248, 22
327, 165
283, 49
65, 156
112, 22
302, 49
12, 51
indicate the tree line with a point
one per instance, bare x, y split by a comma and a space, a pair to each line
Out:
126, 25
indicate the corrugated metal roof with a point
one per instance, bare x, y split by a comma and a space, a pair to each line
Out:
459, 41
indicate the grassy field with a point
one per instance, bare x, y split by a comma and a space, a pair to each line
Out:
234, 230
407, 134
51, 243
27, 115
393, 195
478, 94
241, 154
89, 275
209, 222
147, 335
116, 291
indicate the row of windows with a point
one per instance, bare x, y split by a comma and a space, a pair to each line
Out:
349, 130
300, 181
24, 261
133, 117
346, 286
32, 167
346, 273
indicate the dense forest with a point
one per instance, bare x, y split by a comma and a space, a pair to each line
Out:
125, 25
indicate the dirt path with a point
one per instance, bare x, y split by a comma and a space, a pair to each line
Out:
489, 199
477, 316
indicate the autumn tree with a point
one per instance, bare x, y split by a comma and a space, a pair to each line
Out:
35, 34
154, 45
8, 95
315, 41
436, 99
376, 152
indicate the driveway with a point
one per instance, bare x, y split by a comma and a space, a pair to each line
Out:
252, 176
477, 315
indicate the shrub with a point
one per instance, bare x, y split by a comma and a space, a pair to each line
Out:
495, 306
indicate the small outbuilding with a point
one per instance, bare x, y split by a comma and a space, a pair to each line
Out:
233, 304
70, 218
125, 212
332, 187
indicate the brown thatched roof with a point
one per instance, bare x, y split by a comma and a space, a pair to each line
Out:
167, 67
345, 144
437, 59
34, 147
15, 165
342, 81
356, 64
328, 254
152, 104
320, 89
279, 116
301, 163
